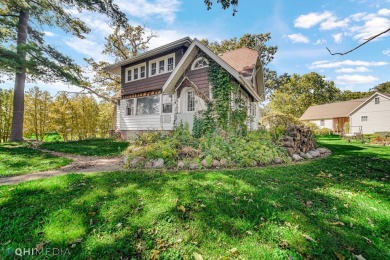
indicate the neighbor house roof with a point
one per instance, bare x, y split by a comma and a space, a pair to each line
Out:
242, 60
332, 110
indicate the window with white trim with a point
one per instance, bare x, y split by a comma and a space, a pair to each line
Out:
136, 72
377, 101
162, 65
190, 101
148, 105
322, 122
130, 107
364, 118
199, 63
166, 103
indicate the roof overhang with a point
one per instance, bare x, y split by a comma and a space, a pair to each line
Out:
169, 86
115, 68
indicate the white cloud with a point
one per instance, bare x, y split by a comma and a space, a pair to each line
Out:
309, 20
320, 41
352, 70
370, 28
88, 47
384, 12
338, 37
333, 23
161, 9
355, 79
298, 38
386, 52
338, 64
49, 34
358, 16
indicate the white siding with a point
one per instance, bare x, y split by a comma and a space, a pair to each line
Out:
378, 116
142, 122
328, 123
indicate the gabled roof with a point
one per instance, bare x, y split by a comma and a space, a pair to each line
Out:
116, 67
385, 95
332, 110
188, 57
338, 109
242, 60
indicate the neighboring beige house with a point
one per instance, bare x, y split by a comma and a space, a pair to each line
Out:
364, 115
169, 85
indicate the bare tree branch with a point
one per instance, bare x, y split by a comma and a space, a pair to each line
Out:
367, 41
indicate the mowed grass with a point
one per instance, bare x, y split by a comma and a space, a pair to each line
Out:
324, 209
90, 147
17, 158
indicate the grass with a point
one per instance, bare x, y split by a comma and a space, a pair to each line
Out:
16, 159
90, 147
327, 208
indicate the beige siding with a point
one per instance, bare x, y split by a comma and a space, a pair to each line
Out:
142, 122
328, 123
378, 116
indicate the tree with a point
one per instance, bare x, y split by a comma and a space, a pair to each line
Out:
6, 96
37, 112
348, 95
300, 92
383, 87
225, 4
25, 53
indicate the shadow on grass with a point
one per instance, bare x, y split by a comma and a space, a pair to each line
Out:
337, 204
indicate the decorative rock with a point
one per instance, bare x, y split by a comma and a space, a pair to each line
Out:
125, 159
314, 153
181, 164
303, 155
223, 162
296, 157
149, 164
323, 150
136, 160
254, 163
193, 166
205, 164
216, 163
309, 156
159, 163
277, 160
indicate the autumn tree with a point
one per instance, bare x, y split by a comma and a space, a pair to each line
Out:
300, 92
6, 96
24, 52
37, 112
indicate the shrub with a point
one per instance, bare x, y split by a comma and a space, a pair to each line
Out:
323, 131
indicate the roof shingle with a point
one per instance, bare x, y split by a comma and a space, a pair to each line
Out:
242, 60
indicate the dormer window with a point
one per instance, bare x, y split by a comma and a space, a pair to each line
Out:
162, 65
200, 63
136, 72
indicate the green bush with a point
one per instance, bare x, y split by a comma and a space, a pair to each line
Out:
257, 148
323, 131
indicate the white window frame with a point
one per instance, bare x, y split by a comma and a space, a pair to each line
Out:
365, 119
322, 122
159, 110
162, 104
196, 61
186, 101
377, 101
157, 61
138, 66
127, 106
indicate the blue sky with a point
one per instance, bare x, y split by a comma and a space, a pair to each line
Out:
302, 29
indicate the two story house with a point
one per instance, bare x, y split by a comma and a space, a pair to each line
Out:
168, 85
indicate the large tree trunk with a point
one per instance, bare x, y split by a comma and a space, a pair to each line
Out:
20, 80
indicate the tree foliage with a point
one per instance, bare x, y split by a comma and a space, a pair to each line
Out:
297, 93
383, 87
6, 96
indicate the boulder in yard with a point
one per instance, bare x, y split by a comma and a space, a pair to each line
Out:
314, 153
216, 163
296, 157
277, 160
205, 164
193, 166
309, 156
136, 161
181, 165
223, 162
158, 163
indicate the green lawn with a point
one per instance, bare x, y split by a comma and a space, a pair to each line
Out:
16, 159
337, 206
90, 147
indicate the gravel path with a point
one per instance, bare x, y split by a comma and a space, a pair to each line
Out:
80, 164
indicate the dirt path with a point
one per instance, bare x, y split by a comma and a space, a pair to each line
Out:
80, 164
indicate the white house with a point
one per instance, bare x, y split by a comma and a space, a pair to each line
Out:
364, 115
168, 85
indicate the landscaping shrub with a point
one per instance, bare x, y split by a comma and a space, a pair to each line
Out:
323, 131
222, 149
